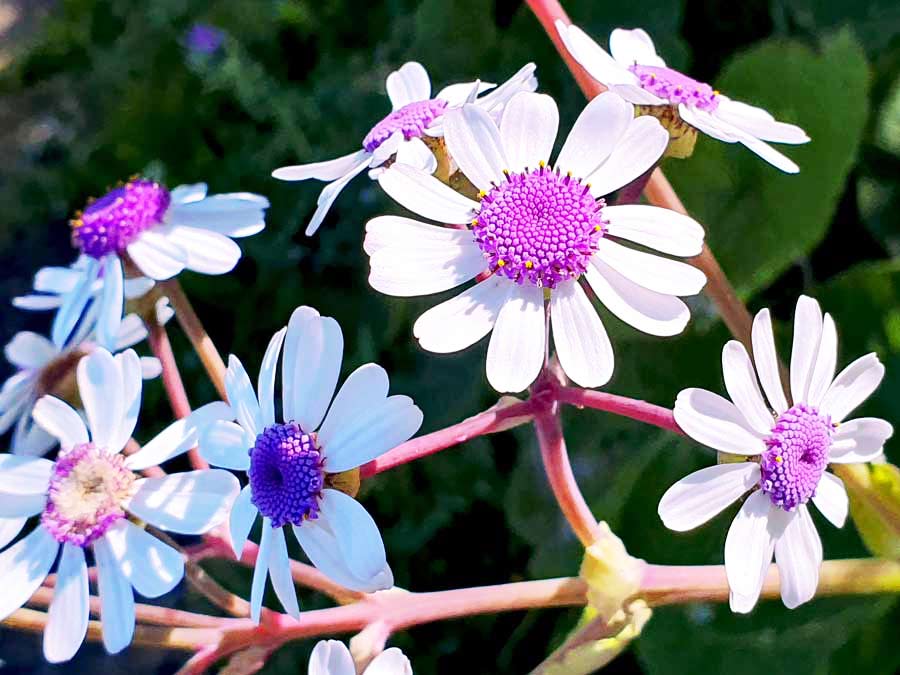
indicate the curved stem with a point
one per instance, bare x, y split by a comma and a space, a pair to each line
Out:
636, 409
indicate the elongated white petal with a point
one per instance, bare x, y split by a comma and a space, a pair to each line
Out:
36, 303
116, 599
226, 444
131, 331
700, 496
329, 193
715, 422
358, 539
807, 335
67, 619
153, 567
859, 440
395, 232
23, 567
629, 47
73, 303
766, 359
185, 194
321, 546
634, 94
156, 256
21, 505
129, 366
413, 152
581, 341
29, 350
112, 302
759, 123
240, 521
660, 229
596, 131
330, 657
457, 94
822, 373
522, 80
528, 130
473, 140
748, 550
798, 553
636, 151
100, 388
601, 66
329, 170
654, 272
10, 529
408, 84
831, 499
516, 350
280, 573
260, 571
188, 503
406, 272
58, 280
265, 386
24, 475
208, 252
390, 662
242, 396
853, 385
233, 214
60, 420
740, 381
424, 194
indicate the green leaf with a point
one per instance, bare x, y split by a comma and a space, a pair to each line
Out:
875, 505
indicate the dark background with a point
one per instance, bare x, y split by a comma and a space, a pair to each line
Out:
92, 91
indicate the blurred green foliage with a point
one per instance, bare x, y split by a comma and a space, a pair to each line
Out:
106, 88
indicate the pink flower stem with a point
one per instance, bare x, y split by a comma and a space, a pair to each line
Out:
620, 405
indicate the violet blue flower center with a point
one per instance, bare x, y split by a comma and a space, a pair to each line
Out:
111, 223
676, 87
796, 456
87, 488
286, 474
412, 119
539, 226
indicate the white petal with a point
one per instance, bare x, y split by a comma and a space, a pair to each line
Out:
36, 302
766, 359
137, 287
29, 350
358, 539
807, 334
21, 505
408, 84
851, 387
131, 331
630, 47
522, 80
260, 571
265, 385
329, 194
153, 567
73, 303
58, 280
648, 311
596, 132
67, 618
581, 341
242, 397
151, 367
187, 503
280, 573
60, 420
464, 320
411, 235
10, 529
516, 351
112, 303
654, 272
129, 366
24, 475
660, 229
636, 151
473, 140
859, 440
748, 550
178, 437
185, 194
116, 599
390, 662
831, 499
240, 521
715, 422
413, 152
233, 214
226, 444
207, 252
633, 93
23, 567
798, 553
457, 94
704, 494
331, 657
313, 350
329, 170
424, 194
740, 381
409, 271
528, 130
708, 123
601, 66
30, 439
759, 123
156, 256
822, 373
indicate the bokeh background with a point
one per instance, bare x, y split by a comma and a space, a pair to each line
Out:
92, 91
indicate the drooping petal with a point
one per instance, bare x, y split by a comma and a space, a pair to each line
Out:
23, 568
260, 571
766, 359
24, 475
704, 494
528, 130
831, 499
636, 151
131, 331
601, 66
153, 567
112, 302
390, 662
240, 520
265, 386
192, 502
715, 422
280, 573
660, 229
233, 214
596, 131
413, 152
473, 140
859, 440
654, 272
100, 388
60, 420
116, 599
29, 350
186, 194
748, 550
73, 304
522, 80
67, 618
207, 252
853, 385
629, 47
329, 170
156, 256
330, 657
822, 374
242, 396
424, 194
226, 444
129, 366
740, 381
759, 123
798, 553
408, 84
516, 351
807, 335
582, 344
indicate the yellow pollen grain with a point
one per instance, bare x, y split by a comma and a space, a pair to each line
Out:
482, 194
529, 264
501, 263
778, 459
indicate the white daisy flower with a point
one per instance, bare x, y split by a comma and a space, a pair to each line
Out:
291, 465
640, 76
415, 115
162, 233
535, 232
84, 500
330, 657
789, 447
44, 368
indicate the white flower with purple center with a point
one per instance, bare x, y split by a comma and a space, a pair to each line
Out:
330, 657
43, 368
90, 500
640, 76
297, 467
789, 446
535, 235
415, 116
161, 233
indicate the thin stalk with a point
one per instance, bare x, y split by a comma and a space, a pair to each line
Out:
636, 409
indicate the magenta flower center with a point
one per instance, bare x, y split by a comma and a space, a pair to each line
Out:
796, 456
412, 119
539, 226
87, 488
676, 87
286, 474
111, 223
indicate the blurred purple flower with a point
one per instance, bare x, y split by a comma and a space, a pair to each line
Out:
204, 39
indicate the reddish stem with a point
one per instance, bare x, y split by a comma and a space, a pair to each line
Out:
636, 409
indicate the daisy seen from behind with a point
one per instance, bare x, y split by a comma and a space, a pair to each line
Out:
639, 75
296, 467
330, 657
415, 116
86, 500
789, 443
537, 231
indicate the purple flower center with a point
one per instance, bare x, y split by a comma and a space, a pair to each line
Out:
412, 119
539, 226
111, 223
87, 488
796, 456
676, 87
286, 474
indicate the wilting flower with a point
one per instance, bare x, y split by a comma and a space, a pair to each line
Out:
161, 233
640, 76
84, 498
44, 368
296, 467
537, 231
415, 116
789, 447
331, 657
